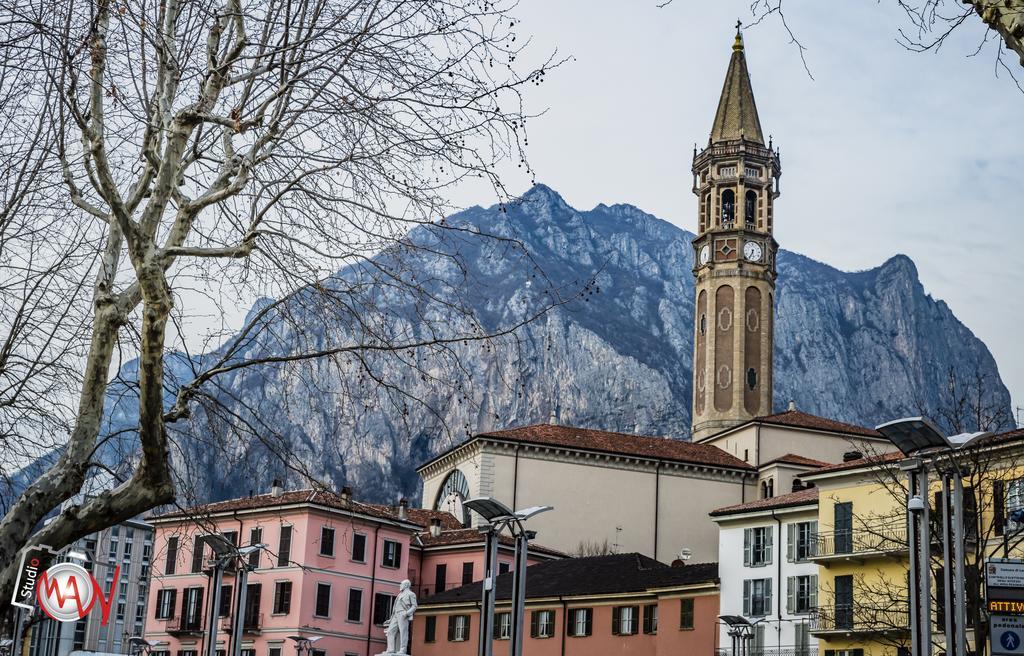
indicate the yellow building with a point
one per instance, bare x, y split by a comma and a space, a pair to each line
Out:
862, 546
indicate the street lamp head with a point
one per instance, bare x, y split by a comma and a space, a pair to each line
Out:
489, 508
220, 544
912, 434
527, 513
251, 548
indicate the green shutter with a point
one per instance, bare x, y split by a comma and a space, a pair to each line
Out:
813, 591
791, 537
768, 540
616, 620
768, 596
534, 624
748, 534
451, 628
812, 537
636, 624
791, 589
746, 597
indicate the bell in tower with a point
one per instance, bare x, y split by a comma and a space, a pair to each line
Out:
736, 180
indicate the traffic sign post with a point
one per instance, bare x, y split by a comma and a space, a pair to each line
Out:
1004, 597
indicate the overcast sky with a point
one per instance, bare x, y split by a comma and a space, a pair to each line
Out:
885, 151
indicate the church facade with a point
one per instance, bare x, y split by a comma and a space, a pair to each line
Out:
652, 495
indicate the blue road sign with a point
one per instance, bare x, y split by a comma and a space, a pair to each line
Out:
1009, 640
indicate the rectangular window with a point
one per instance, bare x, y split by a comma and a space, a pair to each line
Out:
198, 546
165, 604
392, 555
651, 619
192, 608
458, 628
581, 621
757, 546
355, 605
504, 568
801, 594
382, 603
170, 566
624, 620
430, 628
255, 537
127, 554
274, 651
757, 597
253, 592
686, 614
247, 652
323, 600
542, 624
225, 601
231, 537
282, 597
801, 541
112, 555
502, 626
284, 549
467, 573
359, 547
326, 541
440, 578
842, 524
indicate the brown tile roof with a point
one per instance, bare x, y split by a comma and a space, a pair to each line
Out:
596, 575
626, 444
801, 498
799, 419
794, 459
415, 516
470, 536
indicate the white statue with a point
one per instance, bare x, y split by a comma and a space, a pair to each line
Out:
397, 627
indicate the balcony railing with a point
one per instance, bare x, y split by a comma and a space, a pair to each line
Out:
184, 624
863, 541
769, 651
251, 623
859, 619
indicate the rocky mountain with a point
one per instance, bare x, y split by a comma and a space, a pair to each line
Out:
613, 353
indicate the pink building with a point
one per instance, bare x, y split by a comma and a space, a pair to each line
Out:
615, 605
331, 571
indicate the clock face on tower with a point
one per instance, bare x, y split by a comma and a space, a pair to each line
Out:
752, 251
705, 254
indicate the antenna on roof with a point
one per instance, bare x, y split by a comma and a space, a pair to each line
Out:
792, 406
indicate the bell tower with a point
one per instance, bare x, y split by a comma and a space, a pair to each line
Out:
736, 179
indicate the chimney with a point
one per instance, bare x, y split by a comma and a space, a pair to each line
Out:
403, 508
850, 456
435, 527
792, 406
346, 494
276, 488
552, 419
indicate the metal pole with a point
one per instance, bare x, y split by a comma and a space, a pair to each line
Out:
925, 563
487, 600
519, 590
211, 629
238, 621
947, 570
960, 599
915, 569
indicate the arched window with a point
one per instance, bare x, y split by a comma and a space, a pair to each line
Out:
728, 207
454, 491
750, 210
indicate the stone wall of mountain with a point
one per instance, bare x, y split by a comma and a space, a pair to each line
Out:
613, 352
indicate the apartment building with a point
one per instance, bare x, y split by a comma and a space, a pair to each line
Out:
767, 573
622, 604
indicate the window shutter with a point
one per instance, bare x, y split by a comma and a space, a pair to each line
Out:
791, 585
830, 652
570, 625
812, 547
768, 596
746, 597
999, 501
747, 541
534, 624
616, 620
812, 592
451, 628
284, 547
648, 619
590, 620
768, 533
496, 629
791, 534
635, 628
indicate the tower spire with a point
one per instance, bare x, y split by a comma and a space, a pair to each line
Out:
736, 117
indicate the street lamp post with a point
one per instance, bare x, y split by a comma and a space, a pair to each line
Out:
499, 517
225, 554
912, 436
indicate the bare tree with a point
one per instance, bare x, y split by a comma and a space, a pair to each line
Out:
156, 153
